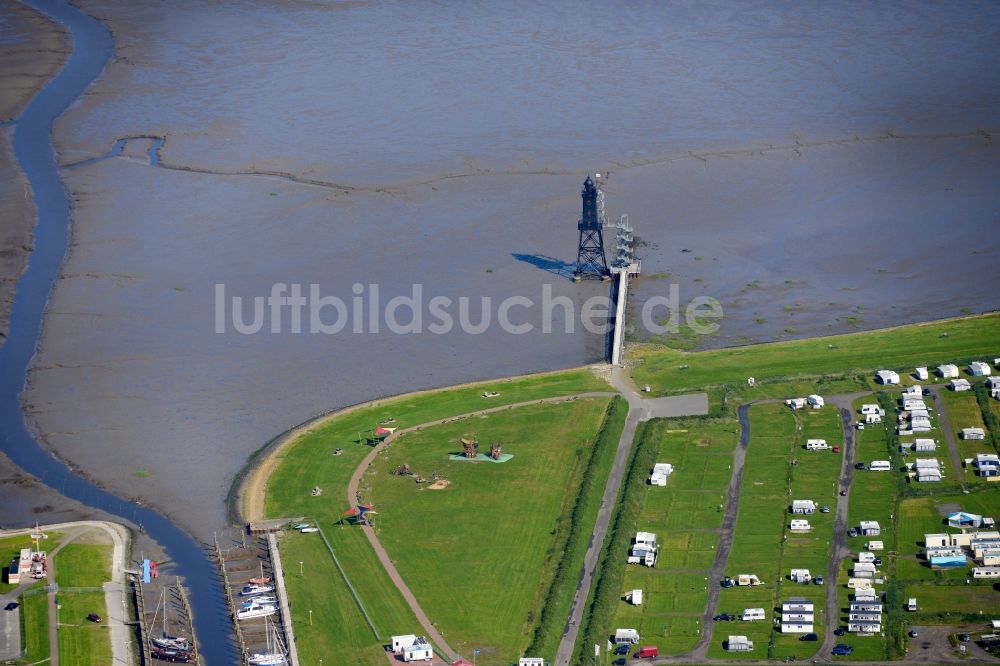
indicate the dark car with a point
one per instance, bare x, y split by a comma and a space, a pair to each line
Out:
824, 509
860, 465
877, 560
724, 617
95, 618
840, 631
809, 637
818, 580
842, 650
965, 638
914, 633
728, 582
11, 606
852, 532
623, 649
843, 493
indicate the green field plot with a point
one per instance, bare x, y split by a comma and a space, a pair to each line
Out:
82, 641
899, 348
35, 625
685, 515
964, 412
83, 565
479, 552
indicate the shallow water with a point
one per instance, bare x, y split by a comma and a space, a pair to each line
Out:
453, 141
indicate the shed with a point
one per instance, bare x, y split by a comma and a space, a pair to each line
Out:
887, 377
979, 369
947, 371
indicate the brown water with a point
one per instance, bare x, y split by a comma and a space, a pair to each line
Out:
445, 144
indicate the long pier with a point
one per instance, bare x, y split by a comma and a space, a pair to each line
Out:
621, 299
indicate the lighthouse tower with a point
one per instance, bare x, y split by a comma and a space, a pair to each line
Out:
590, 259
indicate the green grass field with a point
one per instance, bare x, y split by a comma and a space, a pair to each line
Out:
478, 552
35, 625
902, 348
83, 565
81, 641
686, 515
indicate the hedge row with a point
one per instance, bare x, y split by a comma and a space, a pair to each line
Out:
549, 628
611, 569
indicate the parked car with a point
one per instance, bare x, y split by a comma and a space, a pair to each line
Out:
809, 637
818, 580
965, 638
914, 633
859, 465
836, 449
877, 560
11, 606
724, 617
727, 582
95, 618
859, 426
843, 493
824, 509
842, 649
647, 652
840, 631
623, 649
852, 532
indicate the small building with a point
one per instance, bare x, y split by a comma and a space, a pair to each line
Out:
979, 369
529, 661
923, 445
993, 383
738, 644
870, 408
865, 606
947, 371
937, 540
986, 572
800, 576
866, 556
973, 433
887, 377
816, 445
412, 647
963, 520
914, 391
803, 507
859, 585
959, 385
660, 473
921, 374
915, 404
870, 528
864, 627
644, 549
865, 594
798, 525
19, 566
626, 636
928, 470
815, 401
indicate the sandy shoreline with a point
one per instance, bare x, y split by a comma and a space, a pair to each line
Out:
32, 49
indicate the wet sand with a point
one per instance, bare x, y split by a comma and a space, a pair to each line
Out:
32, 49
447, 147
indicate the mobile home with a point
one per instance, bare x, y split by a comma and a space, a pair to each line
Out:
880, 466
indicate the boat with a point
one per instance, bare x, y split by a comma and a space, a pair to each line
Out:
255, 611
260, 601
274, 654
301, 526
254, 590
167, 646
260, 580
309, 530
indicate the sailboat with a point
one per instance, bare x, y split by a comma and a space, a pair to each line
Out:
274, 654
165, 645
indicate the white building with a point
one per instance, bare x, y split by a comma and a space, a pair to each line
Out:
959, 385
986, 572
803, 507
797, 616
660, 473
864, 570
887, 377
979, 369
928, 469
412, 647
644, 549
914, 404
530, 661
865, 594
973, 433
815, 401
921, 374
987, 465
924, 445
914, 391
947, 371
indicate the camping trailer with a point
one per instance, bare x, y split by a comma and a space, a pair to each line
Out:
752, 614
626, 636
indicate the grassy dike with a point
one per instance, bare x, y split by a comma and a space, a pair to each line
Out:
576, 531
610, 568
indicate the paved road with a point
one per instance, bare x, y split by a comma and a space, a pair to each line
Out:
949, 433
